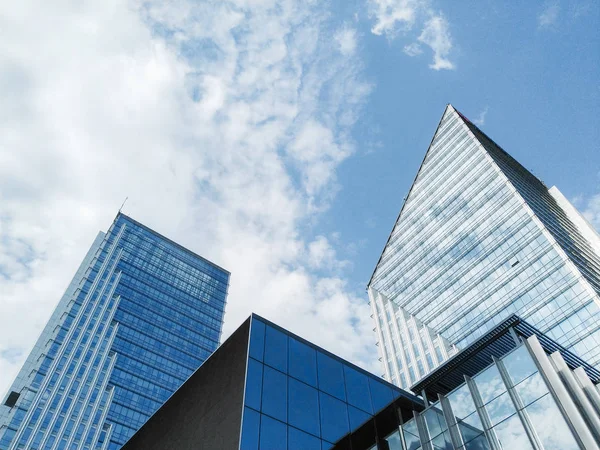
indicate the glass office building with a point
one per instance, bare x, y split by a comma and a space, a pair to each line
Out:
477, 239
267, 389
140, 315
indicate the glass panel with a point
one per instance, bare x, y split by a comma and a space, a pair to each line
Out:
531, 389
303, 407
303, 362
334, 418
357, 388
257, 340
550, 425
411, 435
470, 427
357, 417
254, 384
273, 434
381, 395
299, 440
462, 402
442, 442
250, 428
519, 364
479, 443
500, 408
276, 349
435, 422
393, 441
274, 397
511, 434
331, 376
489, 384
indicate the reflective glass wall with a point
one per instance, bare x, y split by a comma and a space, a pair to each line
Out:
300, 397
469, 248
141, 316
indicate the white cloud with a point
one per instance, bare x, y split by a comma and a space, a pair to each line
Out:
390, 15
346, 38
549, 15
401, 16
591, 211
480, 120
436, 35
413, 49
224, 124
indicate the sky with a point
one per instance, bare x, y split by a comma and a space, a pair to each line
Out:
275, 138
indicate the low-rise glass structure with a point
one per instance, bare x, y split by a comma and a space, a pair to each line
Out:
267, 389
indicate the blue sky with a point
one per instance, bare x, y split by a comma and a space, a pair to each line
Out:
274, 137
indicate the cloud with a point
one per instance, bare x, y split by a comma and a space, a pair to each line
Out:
224, 123
549, 15
413, 49
390, 15
346, 38
436, 35
480, 120
393, 17
591, 211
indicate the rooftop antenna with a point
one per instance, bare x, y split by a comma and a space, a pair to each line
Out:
124, 201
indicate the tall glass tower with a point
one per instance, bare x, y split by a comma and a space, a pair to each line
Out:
140, 315
480, 238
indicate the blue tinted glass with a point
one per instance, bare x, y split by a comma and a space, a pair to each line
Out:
254, 384
276, 349
274, 396
298, 440
273, 434
331, 376
257, 340
334, 418
381, 395
357, 388
303, 362
357, 417
250, 428
326, 445
303, 407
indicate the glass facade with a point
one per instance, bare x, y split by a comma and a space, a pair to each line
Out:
300, 397
141, 314
479, 238
508, 405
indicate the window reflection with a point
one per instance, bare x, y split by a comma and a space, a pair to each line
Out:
276, 349
274, 398
304, 407
334, 418
357, 388
331, 376
257, 340
254, 384
550, 425
393, 441
531, 389
250, 429
411, 435
519, 365
273, 434
512, 435
299, 440
500, 408
303, 362
489, 383
461, 402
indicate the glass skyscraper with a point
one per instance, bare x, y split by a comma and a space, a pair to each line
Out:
477, 239
140, 315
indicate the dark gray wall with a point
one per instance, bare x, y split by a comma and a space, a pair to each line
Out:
206, 412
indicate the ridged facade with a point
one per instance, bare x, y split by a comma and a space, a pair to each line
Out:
479, 238
140, 315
